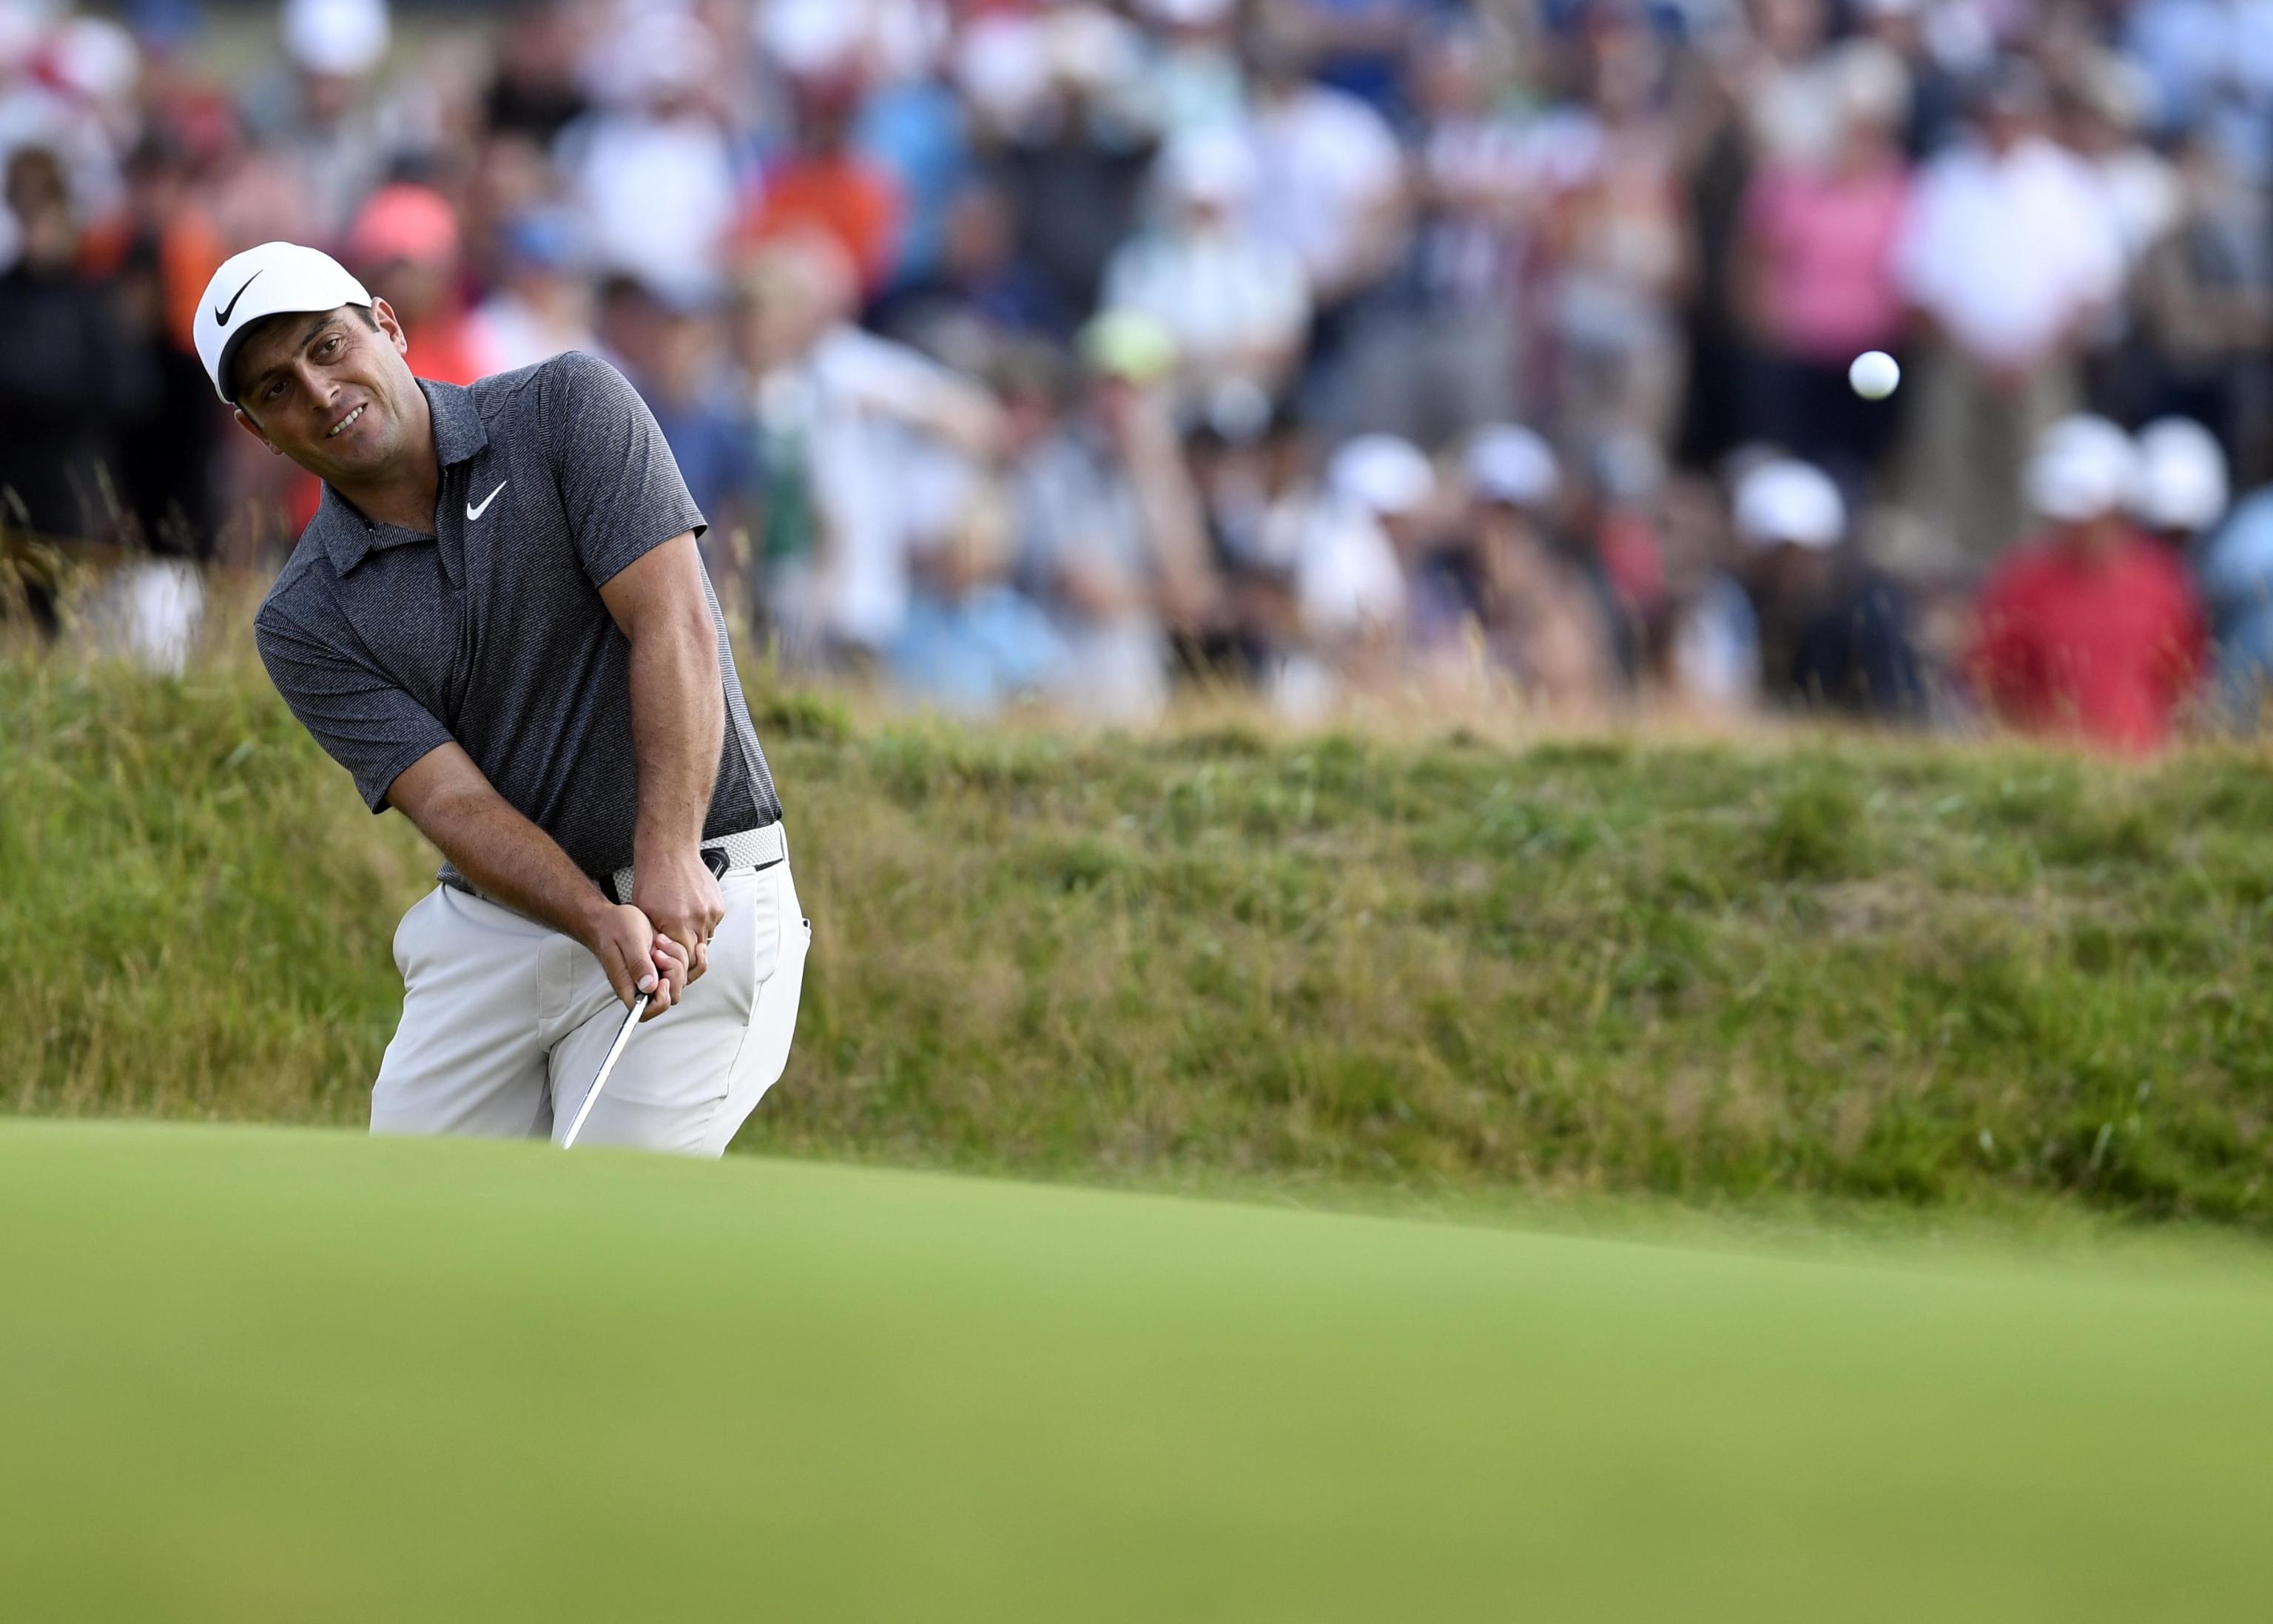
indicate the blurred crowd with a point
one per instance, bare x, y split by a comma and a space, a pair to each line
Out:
1067, 352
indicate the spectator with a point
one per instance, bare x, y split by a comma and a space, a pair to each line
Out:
1330, 178
38, 108
842, 416
1617, 254
2003, 330
2205, 304
1074, 160
159, 251
1543, 622
2090, 631
1708, 649
1192, 77
972, 643
914, 129
1794, 102
652, 175
67, 384
1937, 45
1354, 574
2180, 492
1834, 635
1435, 353
673, 352
324, 125
404, 246
541, 305
534, 92
984, 292
1235, 304
1110, 531
1816, 275
823, 183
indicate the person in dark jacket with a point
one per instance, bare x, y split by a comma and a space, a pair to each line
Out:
1834, 634
68, 382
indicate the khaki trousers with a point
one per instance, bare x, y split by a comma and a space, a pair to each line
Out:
505, 1021
1968, 446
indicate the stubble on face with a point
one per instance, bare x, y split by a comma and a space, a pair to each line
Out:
329, 391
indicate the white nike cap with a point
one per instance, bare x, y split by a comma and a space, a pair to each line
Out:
275, 279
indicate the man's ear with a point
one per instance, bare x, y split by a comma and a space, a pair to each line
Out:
244, 421
383, 313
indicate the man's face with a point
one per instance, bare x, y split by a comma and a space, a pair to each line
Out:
328, 390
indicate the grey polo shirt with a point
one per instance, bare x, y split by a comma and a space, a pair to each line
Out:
491, 632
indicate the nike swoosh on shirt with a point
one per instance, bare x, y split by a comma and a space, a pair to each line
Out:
476, 513
222, 316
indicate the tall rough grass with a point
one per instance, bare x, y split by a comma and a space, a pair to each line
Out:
1717, 970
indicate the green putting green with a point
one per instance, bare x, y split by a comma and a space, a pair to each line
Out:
251, 1375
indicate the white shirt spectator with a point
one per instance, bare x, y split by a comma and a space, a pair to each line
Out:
1328, 170
2009, 252
1348, 582
506, 332
1229, 299
1078, 511
656, 193
885, 488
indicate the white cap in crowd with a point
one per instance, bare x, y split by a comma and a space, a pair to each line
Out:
1211, 167
2084, 468
275, 279
1787, 501
2182, 477
343, 38
812, 37
1382, 473
96, 59
1506, 462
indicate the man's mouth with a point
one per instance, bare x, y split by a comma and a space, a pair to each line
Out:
347, 423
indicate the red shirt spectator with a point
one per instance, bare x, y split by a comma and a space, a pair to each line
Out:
404, 243
839, 193
822, 183
2093, 632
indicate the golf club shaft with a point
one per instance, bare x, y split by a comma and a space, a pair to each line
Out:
615, 1051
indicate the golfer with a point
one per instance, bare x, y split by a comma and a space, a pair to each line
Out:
498, 622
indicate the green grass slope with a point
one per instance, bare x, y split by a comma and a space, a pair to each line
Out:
251, 1375
1857, 969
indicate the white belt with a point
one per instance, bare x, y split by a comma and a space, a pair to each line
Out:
751, 849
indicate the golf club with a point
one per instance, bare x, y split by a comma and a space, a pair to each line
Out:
615, 1052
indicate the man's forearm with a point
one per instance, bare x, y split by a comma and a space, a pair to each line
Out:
678, 726
509, 859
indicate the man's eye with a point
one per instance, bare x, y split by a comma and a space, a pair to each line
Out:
275, 390
329, 347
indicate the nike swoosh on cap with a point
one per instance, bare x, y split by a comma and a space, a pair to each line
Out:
222, 316
476, 513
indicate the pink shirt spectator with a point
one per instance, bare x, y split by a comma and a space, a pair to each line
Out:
1826, 253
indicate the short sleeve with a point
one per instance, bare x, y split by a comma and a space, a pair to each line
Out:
619, 485
364, 720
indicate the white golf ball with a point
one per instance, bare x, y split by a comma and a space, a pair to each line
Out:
1873, 375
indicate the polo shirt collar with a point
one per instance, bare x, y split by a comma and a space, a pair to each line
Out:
460, 435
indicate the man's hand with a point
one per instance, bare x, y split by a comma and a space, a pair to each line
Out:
639, 959
680, 897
